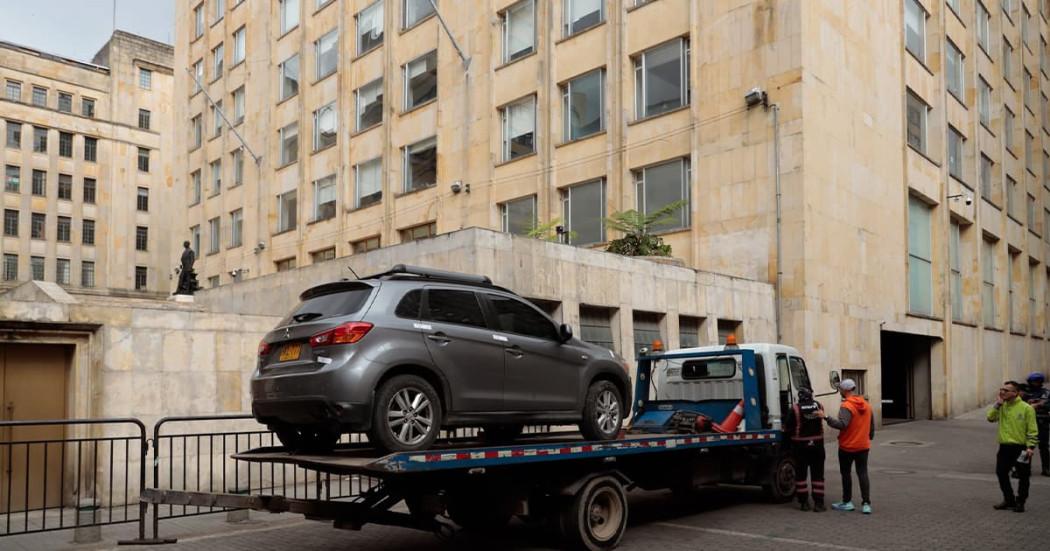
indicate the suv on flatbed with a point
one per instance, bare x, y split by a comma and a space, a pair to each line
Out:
408, 352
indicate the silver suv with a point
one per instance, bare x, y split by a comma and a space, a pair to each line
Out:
408, 352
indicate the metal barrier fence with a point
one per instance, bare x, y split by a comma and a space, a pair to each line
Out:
57, 474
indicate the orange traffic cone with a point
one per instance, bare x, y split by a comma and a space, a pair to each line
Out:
732, 421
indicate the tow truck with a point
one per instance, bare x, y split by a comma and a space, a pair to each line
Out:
577, 487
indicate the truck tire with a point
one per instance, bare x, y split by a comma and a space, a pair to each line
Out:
596, 517
780, 484
406, 415
602, 412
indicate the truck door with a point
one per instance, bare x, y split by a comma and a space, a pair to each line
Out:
799, 374
787, 397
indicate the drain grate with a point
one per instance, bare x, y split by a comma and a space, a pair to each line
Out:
897, 471
907, 443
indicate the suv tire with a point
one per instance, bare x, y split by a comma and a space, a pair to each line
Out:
602, 412
406, 416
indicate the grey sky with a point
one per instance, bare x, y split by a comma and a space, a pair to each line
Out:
78, 28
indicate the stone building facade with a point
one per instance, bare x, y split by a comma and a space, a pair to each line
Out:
87, 167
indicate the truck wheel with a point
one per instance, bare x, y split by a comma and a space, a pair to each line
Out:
407, 415
602, 412
780, 486
319, 439
596, 518
500, 434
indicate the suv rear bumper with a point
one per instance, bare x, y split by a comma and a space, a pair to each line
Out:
313, 410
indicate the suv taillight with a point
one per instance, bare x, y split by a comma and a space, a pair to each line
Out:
264, 348
347, 333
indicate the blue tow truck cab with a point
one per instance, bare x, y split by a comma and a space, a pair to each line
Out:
576, 488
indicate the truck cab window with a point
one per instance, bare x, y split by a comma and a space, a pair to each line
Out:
799, 375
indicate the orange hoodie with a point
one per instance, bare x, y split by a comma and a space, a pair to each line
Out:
856, 435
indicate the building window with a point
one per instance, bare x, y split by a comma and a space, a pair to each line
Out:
519, 30
38, 223
238, 105
289, 14
326, 126
688, 332
213, 282
365, 245
415, 11
920, 259
285, 265
917, 113
1011, 198
87, 232
1045, 111
287, 210
322, 255
141, 274
145, 78
369, 105
289, 144
142, 200
141, 238
656, 187
326, 54
236, 228
519, 128
39, 183
90, 149
36, 265
1008, 128
11, 222
89, 190
422, 231
662, 78
289, 71
218, 59
216, 177
1011, 307
64, 229
198, 21
198, 75
238, 45
370, 27
65, 187
915, 28
13, 134
65, 145
1008, 62
955, 153
10, 267
583, 105
583, 207
39, 139
216, 119
14, 90
956, 80
87, 273
237, 156
195, 183
420, 168
62, 275
144, 115
1027, 88
582, 14
987, 191
518, 216
87, 107
196, 131
65, 102
39, 96
143, 159
596, 326
214, 235
1029, 152
646, 330
368, 183
324, 198
219, 10
195, 240
984, 102
12, 178
421, 80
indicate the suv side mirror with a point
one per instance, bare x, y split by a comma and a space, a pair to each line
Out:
565, 332
834, 379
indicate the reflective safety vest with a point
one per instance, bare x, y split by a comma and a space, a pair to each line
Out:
808, 426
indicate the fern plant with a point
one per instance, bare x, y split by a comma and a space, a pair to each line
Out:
637, 228
547, 231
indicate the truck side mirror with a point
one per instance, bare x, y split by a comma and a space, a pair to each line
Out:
565, 332
834, 379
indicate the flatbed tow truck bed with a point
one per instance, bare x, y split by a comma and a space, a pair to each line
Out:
558, 480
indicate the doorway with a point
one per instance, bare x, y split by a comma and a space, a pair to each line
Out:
906, 392
32, 386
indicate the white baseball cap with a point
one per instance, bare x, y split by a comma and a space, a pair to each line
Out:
847, 384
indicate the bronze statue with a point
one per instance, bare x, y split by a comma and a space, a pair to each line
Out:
187, 277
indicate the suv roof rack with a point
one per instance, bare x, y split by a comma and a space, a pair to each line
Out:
430, 273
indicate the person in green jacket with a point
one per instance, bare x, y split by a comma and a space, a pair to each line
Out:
1018, 436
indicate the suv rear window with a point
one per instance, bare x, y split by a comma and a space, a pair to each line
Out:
342, 300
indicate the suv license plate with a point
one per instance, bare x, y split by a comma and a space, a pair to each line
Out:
290, 352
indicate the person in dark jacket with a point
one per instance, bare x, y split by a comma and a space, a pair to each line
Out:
806, 433
1038, 396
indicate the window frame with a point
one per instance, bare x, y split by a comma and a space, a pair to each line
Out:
506, 30
408, 103
640, 182
506, 118
641, 78
567, 211
328, 181
568, 25
567, 105
319, 55
359, 199
407, 152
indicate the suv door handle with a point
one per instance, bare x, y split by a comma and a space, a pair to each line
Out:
515, 351
439, 338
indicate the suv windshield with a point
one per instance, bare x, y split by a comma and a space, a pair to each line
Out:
341, 300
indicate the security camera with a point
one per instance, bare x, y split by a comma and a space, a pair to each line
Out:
969, 200
457, 186
755, 96
233, 273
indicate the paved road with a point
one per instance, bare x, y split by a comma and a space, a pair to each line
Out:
932, 489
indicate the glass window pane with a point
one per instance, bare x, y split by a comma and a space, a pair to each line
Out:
586, 213
583, 105
663, 78
458, 307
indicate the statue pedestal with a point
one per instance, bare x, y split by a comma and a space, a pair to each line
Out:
181, 298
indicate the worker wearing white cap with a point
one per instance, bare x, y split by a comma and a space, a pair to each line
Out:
856, 426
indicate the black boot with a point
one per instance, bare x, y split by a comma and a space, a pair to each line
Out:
1005, 506
805, 504
1019, 508
818, 506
